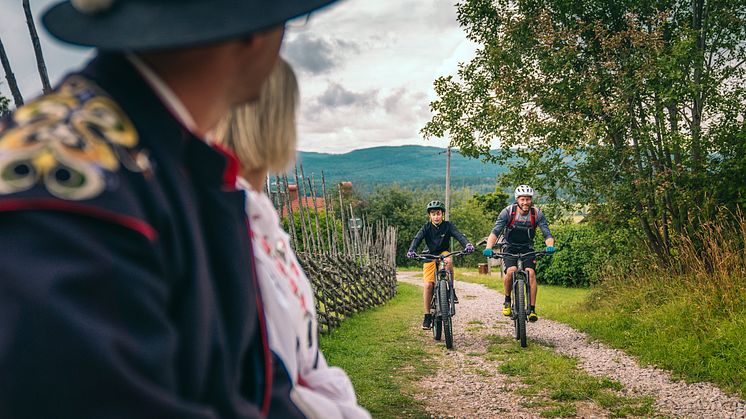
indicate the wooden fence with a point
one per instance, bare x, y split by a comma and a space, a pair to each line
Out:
350, 261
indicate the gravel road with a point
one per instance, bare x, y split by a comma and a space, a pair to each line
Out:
472, 387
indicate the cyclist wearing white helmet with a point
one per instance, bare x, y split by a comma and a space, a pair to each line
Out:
516, 227
437, 235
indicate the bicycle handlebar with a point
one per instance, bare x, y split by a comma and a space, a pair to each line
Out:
425, 256
538, 254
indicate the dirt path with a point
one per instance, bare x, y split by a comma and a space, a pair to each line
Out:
473, 387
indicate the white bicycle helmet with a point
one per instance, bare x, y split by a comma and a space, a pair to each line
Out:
524, 190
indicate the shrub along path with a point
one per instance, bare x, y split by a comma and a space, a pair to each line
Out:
560, 374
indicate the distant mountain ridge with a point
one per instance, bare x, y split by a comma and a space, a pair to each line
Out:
410, 166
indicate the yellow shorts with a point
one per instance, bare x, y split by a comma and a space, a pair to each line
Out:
428, 269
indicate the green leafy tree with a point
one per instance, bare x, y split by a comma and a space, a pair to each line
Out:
400, 208
469, 216
633, 106
492, 203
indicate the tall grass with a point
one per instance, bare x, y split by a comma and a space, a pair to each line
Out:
715, 260
689, 316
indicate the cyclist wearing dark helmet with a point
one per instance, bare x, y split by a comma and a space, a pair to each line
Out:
437, 234
516, 225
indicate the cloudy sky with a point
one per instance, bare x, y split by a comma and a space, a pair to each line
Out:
366, 68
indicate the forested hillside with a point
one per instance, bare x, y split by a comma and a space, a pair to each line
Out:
410, 166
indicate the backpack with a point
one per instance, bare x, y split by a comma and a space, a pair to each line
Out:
501, 241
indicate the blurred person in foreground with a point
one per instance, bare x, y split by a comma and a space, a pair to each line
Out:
262, 134
127, 279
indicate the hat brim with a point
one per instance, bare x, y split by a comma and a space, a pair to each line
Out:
159, 25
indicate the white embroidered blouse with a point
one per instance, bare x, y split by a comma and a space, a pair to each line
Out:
319, 391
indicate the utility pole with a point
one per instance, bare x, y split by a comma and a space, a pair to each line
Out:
448, 183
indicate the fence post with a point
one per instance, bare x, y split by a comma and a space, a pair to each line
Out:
319, 237
306, 246
326, 214
291, 223
307, 211
345, 246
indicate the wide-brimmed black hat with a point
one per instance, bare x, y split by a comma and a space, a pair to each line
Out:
138, 25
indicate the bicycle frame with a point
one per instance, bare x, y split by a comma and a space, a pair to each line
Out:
442, 306
442, 278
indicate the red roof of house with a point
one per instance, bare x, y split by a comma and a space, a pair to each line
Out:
307, 202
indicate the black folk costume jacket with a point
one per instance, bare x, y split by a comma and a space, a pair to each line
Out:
127, 285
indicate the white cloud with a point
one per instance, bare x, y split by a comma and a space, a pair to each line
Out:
336, 96
317, 55
381, 94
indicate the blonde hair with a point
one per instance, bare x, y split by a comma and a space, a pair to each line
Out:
262, 133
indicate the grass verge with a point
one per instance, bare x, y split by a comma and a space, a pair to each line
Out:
698, 333
687, 314
672, 325
554, 384
383, 356
694, 326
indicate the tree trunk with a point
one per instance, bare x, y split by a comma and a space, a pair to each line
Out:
46, 88
678, 209
654, 242
17, 98
698, 17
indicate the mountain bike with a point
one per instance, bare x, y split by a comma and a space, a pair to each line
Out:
521, 293
442, 306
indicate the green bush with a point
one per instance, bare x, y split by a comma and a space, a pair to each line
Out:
585, 254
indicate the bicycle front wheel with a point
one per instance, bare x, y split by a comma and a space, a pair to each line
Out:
520, 312
445, 312
448, 331
437, 328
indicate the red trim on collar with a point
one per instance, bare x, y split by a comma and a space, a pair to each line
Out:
232, 167
301, 381
125, 221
